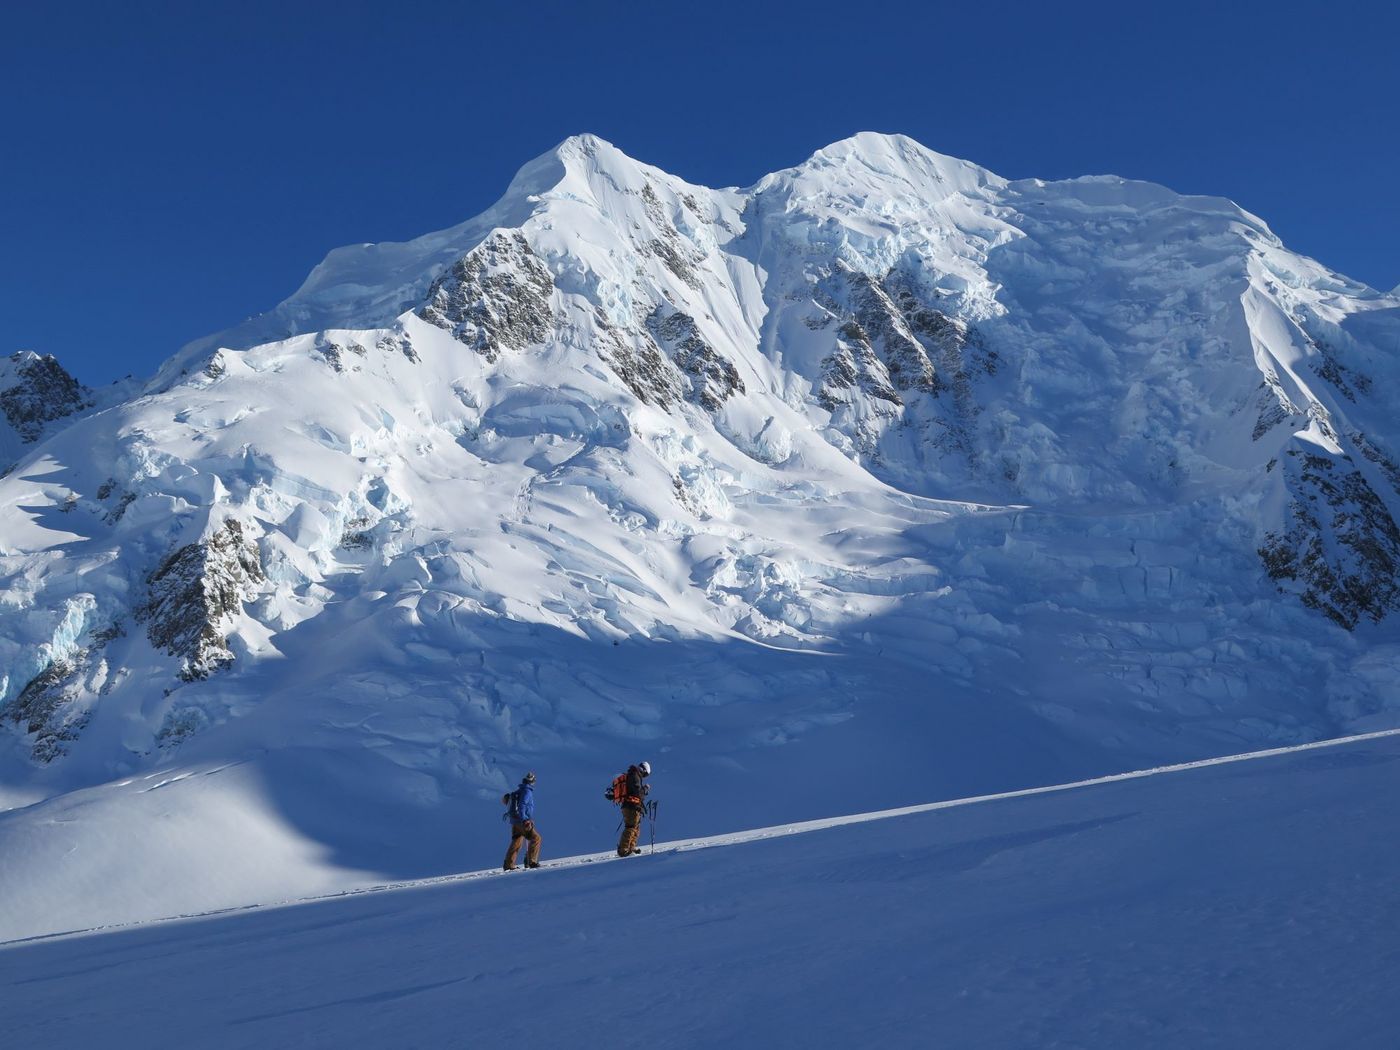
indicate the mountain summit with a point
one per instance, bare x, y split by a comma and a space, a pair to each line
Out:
1003, 481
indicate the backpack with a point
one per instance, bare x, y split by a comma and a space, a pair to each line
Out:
512, 800
617, 791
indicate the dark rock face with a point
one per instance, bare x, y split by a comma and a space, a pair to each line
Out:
891, 344
1348, 382
711, 377
45, 707
669, 247
398, 343
640, 364
1275, 407
898, 360
888, 332
357, 535
957, 350
39, 709
494, 298
1387, 465
180, 725
43, 392
1340, 548
334, 353
196, 590
854, 368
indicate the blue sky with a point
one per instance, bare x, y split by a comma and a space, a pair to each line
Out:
168, 169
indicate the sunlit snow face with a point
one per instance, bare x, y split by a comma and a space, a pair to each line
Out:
883, 455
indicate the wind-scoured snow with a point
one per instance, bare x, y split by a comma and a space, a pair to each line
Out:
884, 467
1237, 904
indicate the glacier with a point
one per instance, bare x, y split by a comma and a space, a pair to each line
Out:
884, 469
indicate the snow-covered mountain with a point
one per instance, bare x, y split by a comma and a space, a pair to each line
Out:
882, 456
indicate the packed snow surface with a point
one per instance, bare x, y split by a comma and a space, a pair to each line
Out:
883, 479
1250, 903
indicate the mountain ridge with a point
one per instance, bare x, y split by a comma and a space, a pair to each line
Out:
1018, 479
552, 168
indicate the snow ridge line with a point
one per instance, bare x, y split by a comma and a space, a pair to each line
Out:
729, 839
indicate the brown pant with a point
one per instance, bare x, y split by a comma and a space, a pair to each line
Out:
520, 834
631, 828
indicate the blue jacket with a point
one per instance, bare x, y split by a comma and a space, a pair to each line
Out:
523, 808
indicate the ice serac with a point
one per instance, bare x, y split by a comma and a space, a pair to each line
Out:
1011, 480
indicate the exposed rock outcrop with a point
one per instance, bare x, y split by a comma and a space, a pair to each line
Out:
40, 710
892, 344
1347, 381
398, 343
40, 390
1386, 464
1340, 548
854, 368
196, 592
710, 377
897, 360
47, 709
675, 254
334, 353
1274, 406
640, 364
494, 298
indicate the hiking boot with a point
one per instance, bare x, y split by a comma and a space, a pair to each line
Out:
636, 853
530, 864
508, 867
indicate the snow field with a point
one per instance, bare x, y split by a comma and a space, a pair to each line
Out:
1249, 902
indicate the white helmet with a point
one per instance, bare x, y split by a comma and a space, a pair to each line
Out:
645, 767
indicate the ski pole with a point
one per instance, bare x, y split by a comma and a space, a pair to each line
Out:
651, 811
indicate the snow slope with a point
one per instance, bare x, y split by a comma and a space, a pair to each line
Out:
1241, 904
882, 467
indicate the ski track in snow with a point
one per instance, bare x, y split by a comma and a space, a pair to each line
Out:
1245, 902
731, 839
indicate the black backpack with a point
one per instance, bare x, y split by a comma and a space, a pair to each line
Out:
511, 799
